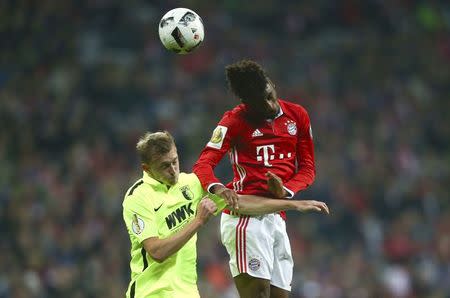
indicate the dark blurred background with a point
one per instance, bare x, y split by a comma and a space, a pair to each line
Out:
80, 81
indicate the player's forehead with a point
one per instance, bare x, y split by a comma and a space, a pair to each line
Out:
168, 157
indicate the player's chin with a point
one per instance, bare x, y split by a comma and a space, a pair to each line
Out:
172, 180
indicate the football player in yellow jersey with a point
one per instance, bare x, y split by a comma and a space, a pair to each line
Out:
163, 212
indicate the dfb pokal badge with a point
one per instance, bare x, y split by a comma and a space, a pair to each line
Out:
137, 224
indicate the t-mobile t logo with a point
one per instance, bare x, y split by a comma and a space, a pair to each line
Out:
267, 155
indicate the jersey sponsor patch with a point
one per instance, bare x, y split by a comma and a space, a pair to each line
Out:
137, 225
217, 137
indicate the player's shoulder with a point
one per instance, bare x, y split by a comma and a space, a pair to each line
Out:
189, 179
235, 114
291, 108
136, 193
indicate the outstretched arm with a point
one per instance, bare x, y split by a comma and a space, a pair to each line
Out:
256, 205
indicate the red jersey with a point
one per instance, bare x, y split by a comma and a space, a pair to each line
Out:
282, 145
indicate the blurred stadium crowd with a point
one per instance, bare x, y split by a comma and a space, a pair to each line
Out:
80, 81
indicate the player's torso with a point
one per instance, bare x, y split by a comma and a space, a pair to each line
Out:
177, 207
176, 276
268, 146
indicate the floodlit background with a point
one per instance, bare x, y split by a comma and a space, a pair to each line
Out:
80, 81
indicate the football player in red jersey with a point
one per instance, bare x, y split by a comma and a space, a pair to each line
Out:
269, 141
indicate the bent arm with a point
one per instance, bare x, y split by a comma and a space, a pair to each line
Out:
161, 249
219, 144
204, 167
305, 158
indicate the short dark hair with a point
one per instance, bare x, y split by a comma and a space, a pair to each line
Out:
153, 145
246, 79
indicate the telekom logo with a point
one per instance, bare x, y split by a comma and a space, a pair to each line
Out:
266, 153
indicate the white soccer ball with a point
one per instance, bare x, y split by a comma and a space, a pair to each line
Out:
181, 30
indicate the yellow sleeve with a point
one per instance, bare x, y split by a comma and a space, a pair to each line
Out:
216, 199
139, 219
219, 202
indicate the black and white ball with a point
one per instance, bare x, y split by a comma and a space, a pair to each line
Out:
181, 30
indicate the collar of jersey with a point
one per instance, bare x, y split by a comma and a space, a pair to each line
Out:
280, 112
153, 182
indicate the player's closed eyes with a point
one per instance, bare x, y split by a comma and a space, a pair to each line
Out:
169, 164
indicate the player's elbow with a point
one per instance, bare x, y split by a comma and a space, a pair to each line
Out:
154, 251
157, 256
158, 259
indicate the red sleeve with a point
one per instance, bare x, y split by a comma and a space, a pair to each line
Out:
305, 156
218, 145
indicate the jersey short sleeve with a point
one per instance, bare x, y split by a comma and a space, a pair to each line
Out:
140, 219
219, 201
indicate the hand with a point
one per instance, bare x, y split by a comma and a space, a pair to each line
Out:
275, 185
229, 195
205, 209
311, 205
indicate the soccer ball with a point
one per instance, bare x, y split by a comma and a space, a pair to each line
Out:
181, 30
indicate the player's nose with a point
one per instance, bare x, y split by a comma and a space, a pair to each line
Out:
173, 169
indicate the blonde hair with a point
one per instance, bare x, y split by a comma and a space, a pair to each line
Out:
152, 145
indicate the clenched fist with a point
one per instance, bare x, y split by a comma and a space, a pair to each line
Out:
205, 210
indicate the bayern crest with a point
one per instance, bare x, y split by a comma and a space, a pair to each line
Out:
291, 127
254, 264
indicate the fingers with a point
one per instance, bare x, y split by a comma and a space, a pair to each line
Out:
210, 206
234, 200
275, 185
206, 208
230, 197
311, 205
320, 206
271, 175
325, 208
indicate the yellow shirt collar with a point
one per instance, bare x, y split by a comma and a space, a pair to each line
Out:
153, 182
